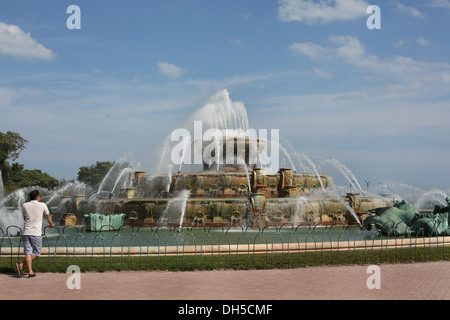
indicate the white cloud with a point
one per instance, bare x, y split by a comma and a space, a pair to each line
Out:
170, 70
422, 41
323, 74
310, 49
410, 11
16, 43
400, 42
313, 12
352, 51
348, 48
440, 3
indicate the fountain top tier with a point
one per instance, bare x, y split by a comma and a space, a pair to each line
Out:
231, 153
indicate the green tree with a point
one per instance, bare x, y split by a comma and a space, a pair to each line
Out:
11, 144
13, 174
20, 178
94, 174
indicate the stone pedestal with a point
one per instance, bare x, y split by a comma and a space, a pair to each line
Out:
258, 203
286, 187
354, 200
68, 219
128, 193
259, 182
76, 201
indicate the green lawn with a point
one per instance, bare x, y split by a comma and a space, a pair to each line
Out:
243, 261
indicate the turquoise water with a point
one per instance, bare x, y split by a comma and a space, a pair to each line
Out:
77, 236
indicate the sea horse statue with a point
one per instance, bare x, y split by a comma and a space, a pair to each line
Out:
395, 218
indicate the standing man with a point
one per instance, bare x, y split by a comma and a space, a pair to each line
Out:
32, 235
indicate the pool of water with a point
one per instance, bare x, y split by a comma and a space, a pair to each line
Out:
77, 236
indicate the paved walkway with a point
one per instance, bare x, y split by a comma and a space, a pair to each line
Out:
429, 281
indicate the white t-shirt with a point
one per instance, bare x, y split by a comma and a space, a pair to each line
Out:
32, 214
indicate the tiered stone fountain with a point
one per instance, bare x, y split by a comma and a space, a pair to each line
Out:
236, 194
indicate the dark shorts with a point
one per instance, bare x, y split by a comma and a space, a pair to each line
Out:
32, 245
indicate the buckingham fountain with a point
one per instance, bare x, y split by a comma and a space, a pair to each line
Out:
230, 187
236, 194
220, 174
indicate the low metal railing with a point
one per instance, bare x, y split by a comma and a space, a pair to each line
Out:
169, 248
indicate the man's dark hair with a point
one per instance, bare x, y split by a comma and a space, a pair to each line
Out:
34, 194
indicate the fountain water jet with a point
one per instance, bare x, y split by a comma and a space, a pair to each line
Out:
124, 173
114, 174
175, 209
314, 169
348, 175
432, 197
2, 191
70, 187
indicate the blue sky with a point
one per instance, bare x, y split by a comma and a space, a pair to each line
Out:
376, 100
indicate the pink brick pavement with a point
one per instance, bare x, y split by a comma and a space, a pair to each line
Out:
415, 281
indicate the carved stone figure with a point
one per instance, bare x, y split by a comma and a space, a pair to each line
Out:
396, 218
430, 224
401, 219
438, 209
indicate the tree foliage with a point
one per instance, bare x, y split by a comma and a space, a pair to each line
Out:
13, 174
21, 178
94, 174
11, 144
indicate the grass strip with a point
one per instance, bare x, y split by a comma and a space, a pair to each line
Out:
242, 261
